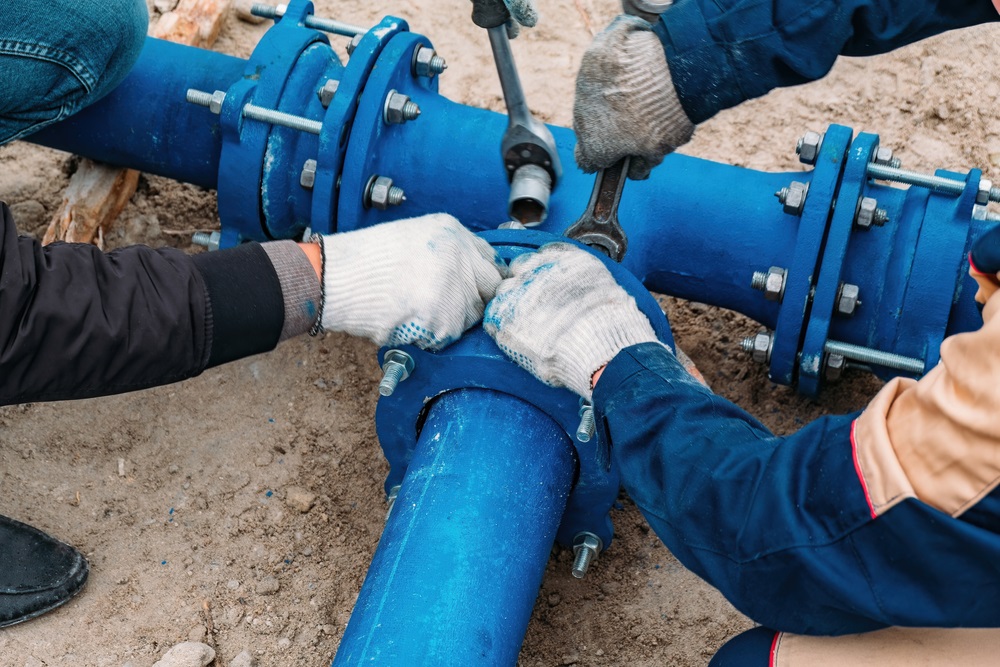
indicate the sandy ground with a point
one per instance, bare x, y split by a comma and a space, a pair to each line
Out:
187, 499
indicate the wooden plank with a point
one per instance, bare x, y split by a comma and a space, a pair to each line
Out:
97, 194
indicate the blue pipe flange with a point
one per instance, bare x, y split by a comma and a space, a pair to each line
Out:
827, 290
475, 361
376, 133
339, 122
801, 274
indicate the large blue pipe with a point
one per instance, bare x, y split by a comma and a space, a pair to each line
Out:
461, 559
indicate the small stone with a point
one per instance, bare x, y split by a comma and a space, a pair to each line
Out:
244, 659
299, 498
233, 616
268, 586
173, 469
554, 599
187, 654
263, 459
284, 644
610, 587
570, 659
599, 652
233, 584
28, 213
121, 467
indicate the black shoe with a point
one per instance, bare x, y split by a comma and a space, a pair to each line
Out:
37, 572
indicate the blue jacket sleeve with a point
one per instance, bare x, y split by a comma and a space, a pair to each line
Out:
781, 525
722, 52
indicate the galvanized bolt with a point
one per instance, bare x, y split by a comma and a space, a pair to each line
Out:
980, 212
883, 156
308, 177
848, 299
380, 193
983, 194
834, 366
586, 548
399, 108
759, 346
391, 500
867, 355
315, 22
353, 44
426, 62
585, 431
936, 183
808, 147
207, 240
793, 198
282, 119
770, 282
211, 100
868, 213
327, 92
396, 367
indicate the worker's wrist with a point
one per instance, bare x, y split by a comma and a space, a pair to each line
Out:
596, 376
299, 267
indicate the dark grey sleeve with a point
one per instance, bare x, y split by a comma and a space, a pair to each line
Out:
76, 322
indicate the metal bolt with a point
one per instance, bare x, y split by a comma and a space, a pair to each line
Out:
793, 198
808, 147
207, 240
426, 62
585, 431
867, 355
770, 282
396, 367
586, 548
511, 224
353, 44
326, 25
391, 500
983, 194
308, 177
211, 100
327, 92
980, 212
380, 193
398, 109
936, 183
868, 213
848, 299
834, 366
759, 346
883, 156
282, 119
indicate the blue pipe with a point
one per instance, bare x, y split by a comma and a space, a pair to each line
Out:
456, 573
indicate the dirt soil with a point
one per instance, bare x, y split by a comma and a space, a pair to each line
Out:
188, 499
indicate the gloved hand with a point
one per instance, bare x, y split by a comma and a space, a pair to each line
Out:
984, 264
625, 101
561, 316
421, 281
492, 13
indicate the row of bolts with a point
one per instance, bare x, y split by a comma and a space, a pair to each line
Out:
772, 282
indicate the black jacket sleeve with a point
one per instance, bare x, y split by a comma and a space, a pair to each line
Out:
76, 322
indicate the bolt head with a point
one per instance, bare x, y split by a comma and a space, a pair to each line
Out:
588, 540
354, 43
808, 147
883, 156
848, 299
308, 177
327, 92
864, 218
401, 358
422, 61
834, 366
218, 97
774, 287
795, 199
393, 112
983, 194
761, 351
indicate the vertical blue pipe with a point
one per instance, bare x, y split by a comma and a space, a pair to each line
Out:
461, 559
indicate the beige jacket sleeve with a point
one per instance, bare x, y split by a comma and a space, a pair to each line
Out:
938, 439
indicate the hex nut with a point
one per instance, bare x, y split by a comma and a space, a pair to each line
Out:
587, 540
760, 347
864, 218
808, 147
848, 299
327, 92
380, 193
774, 287
354, 43
218, 98
795, 198
883, 156
834, 366
423, 62
395, 110
308, 177
983, 194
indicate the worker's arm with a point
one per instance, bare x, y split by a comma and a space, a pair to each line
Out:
642, 96
826, 531
76, 322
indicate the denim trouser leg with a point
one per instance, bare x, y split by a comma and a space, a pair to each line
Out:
57, 56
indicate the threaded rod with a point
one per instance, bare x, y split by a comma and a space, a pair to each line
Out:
867, 355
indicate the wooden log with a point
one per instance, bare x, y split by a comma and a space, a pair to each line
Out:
97, 194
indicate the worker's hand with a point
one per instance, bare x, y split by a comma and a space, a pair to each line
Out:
421, 281
493, 13
984, 264
625, 101
562, 316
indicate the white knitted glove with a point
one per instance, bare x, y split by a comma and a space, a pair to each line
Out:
626, 103
561, 316
421, 281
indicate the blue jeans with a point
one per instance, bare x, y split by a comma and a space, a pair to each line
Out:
57, 56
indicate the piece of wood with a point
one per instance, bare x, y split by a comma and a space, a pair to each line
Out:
97, 194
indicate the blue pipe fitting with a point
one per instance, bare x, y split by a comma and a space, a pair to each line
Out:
474, 361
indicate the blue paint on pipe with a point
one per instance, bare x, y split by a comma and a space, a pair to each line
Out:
461, 559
